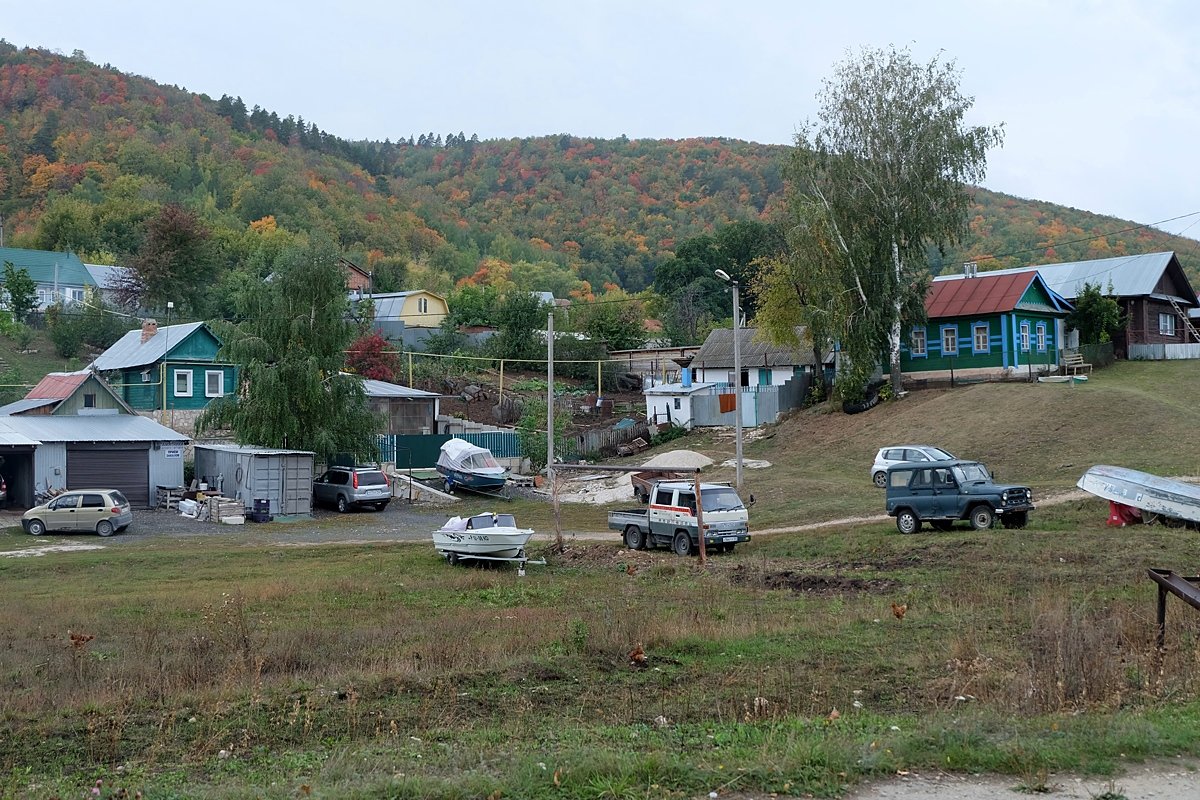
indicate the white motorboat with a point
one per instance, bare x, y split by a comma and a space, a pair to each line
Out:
1173, 501
483, 536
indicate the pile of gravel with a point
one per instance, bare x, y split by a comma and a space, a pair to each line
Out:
688, 459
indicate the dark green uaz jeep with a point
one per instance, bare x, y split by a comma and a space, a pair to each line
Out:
941, 492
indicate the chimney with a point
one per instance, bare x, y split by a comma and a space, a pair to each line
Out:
149, 328
969, 269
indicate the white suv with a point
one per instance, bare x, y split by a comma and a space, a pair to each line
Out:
900, 453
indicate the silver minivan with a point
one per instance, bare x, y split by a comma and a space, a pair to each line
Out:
105, 511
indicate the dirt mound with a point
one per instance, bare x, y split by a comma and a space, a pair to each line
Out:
811, 584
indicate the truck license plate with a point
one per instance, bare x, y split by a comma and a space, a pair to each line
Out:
729, 539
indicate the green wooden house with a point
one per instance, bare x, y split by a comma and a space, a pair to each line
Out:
169, 368
987, 323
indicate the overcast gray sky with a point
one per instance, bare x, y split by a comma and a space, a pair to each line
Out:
1100, 100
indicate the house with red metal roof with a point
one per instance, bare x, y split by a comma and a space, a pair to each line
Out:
68, 394
986, 324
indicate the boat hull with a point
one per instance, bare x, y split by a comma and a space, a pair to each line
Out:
489, 542
479, 481
1141, 490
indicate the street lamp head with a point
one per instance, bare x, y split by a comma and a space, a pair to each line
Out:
723, 275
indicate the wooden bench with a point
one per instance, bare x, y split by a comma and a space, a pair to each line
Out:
1073, 364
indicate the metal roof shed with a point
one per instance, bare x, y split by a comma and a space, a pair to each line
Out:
281, 477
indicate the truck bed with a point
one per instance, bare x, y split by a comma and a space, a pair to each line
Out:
619, 520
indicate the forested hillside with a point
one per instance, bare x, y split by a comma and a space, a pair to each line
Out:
90, 158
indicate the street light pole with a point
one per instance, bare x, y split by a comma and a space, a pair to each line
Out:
737, 376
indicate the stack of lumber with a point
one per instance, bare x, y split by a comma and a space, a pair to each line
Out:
224, 509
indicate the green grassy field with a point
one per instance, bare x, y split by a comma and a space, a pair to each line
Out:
379, 671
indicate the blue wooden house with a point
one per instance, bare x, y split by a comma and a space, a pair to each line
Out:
169, 368
986, 324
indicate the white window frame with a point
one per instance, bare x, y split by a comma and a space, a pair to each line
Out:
175, 376
953, 349
1041, 337
1025, 339
987, 337
209, 374
1166, 324
919, 346
422, 305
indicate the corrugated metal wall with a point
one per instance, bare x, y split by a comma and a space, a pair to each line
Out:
50, 466
283, 479
166, 466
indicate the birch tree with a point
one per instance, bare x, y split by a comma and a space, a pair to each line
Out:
888, 164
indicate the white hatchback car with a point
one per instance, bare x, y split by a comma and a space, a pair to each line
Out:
900, 453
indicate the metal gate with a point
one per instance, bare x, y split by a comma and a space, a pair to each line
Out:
127, 469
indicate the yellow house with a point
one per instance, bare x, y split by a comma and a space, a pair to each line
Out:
408, 316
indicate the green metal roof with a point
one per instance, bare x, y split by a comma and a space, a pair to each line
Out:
40, 264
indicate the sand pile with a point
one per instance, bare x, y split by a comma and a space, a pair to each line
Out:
688, 459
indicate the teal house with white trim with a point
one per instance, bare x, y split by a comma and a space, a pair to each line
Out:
171, 372
987, 325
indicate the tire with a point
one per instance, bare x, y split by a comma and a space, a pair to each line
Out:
36, 527
942, 525
982, 517
1016, 521
104, 528
452, 558
449, 486
380, 506
880, 479
634, 538
681, 544
342, 505
907, 522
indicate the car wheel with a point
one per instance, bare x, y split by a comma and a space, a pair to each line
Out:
342, 505
942, 525
36, 527
880, 479
982, 518
634, 538
449, 486
907, 522
105, 528
682, 544
1016, 520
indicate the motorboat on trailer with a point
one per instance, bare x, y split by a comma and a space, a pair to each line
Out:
488, 536
1170, 501
469, 466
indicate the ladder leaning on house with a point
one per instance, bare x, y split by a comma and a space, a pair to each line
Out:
1187, 322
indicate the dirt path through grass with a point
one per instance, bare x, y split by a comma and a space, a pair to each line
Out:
1169, 780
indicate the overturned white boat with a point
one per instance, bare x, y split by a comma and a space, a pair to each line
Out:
482, 536
1173, 501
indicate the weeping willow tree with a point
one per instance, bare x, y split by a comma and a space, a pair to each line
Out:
290, 346
887, 166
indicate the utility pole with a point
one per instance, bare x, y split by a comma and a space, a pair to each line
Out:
737, 373
550, 477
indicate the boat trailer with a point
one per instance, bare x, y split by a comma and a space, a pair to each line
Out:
1186, 589
454, 558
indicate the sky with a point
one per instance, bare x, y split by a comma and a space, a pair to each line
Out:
1100, 101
